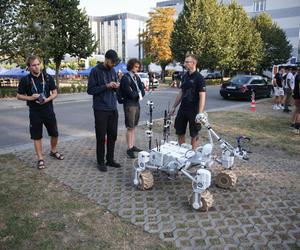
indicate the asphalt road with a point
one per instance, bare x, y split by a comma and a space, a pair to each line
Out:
75, 117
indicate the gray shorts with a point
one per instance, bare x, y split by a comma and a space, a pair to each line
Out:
132, 115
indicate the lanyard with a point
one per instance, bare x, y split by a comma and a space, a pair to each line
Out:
33, 83
135, 81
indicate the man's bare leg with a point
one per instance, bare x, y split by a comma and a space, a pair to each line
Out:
181, 139
195, 142
53, 142
38, 149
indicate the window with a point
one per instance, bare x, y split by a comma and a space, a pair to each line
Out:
259, 5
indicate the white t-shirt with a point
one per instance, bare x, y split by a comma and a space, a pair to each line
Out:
290, 77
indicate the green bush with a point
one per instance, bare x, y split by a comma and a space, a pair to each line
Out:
8, 92
213, 81
79, 88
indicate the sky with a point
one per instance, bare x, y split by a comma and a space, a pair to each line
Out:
110, 7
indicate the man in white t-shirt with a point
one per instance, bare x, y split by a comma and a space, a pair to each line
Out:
288, 89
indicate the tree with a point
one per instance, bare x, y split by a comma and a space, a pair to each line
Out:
187, 35
48, 28
277, 48
156, 38
8, 32
246, 42
71, 33
221, 36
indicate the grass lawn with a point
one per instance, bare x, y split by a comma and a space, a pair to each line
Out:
39, 212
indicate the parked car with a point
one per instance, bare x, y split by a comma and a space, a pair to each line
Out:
207, 74
145, 79
241, 86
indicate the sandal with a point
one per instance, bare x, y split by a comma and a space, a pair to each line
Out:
41, 164
57, 155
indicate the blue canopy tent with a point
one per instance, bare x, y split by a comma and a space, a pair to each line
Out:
67, 72
2, 70
14, 73
85, 72
51, 72
121, 66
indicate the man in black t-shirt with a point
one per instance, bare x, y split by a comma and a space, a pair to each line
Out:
278, 89
192, 98
39, 89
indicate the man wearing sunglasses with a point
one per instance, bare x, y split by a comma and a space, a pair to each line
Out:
192, 96
39, 89
102, 84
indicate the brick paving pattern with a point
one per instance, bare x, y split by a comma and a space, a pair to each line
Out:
261, 211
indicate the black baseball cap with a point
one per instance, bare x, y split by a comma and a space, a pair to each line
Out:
113, 56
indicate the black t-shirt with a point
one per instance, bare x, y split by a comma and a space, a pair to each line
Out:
296, 93
26, 87
279, 80
191, 86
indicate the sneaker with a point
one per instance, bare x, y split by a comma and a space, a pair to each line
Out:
281, 106
286, 110
296, 131
275, 107
292, 126
130, 153
136, 149
102, 167
113, 164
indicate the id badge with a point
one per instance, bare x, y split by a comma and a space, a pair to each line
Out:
140, 96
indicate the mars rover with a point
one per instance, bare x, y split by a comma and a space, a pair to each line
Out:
173, 159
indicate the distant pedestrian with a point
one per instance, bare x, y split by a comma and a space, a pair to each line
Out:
192, 102
296, 112
278, 89
39, 89
102, 84
133, 91
288, 89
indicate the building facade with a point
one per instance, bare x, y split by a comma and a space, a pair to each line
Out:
120, 33
285, 13
176, 4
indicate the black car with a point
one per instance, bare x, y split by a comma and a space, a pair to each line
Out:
242, 86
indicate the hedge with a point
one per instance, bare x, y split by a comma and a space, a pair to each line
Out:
12, 92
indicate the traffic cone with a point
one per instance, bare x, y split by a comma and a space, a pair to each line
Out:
253, 103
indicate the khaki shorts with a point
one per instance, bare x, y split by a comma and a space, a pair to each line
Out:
297, 105
132, 115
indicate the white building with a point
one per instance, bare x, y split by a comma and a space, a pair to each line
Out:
120, 33
285, 13
176, 4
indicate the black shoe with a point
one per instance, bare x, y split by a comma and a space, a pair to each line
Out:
130, 153
136, 149
113, 164
286, 110
292, 126
102, 167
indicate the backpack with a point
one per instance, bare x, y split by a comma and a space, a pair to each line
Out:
120, 97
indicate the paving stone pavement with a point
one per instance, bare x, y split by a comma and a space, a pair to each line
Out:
261, 212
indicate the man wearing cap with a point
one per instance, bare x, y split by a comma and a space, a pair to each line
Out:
102, 84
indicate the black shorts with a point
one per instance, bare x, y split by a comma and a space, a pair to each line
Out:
37, 119
132, 115
181, 120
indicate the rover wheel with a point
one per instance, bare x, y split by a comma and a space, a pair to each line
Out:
226, 179
207, 201
146, 180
